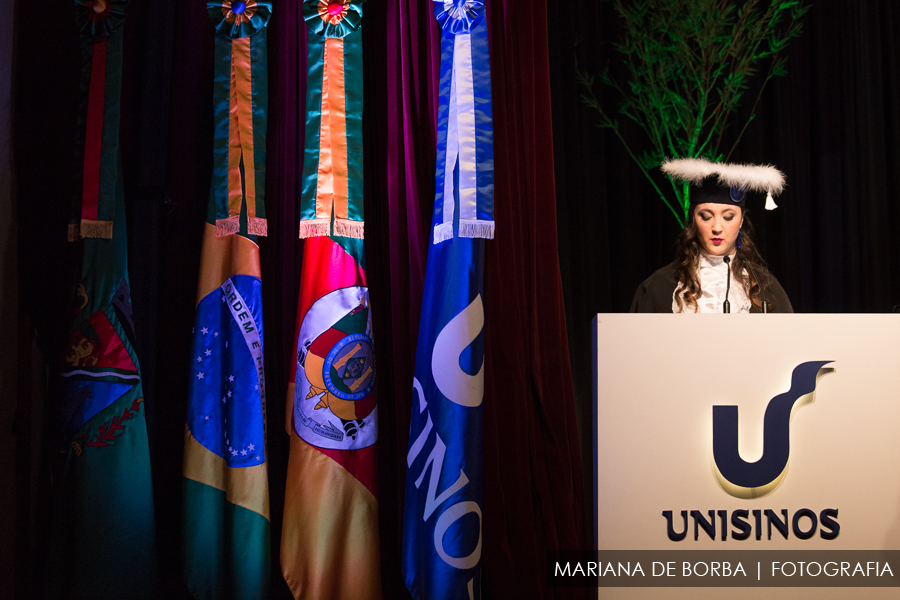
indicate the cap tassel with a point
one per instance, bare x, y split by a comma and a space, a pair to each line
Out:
770, 202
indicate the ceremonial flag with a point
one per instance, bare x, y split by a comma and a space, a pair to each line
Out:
329, 542
442, 518
102, 540
226, 489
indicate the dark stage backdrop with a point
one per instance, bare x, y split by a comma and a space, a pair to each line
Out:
832, 125
9, 306
533, 488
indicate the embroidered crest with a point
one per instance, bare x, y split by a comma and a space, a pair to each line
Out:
334, 405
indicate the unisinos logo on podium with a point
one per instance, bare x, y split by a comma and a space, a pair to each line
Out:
757, 479
744, 479
750, 480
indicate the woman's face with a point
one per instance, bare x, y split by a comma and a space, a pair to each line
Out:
717, 227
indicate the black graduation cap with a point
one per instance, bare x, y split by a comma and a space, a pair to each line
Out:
725, 183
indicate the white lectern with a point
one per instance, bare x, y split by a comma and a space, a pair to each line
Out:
657, 380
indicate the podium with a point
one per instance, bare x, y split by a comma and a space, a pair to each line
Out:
682, 406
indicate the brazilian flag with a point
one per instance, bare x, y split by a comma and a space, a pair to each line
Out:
226, 488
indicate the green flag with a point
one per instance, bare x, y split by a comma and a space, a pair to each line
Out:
101, 533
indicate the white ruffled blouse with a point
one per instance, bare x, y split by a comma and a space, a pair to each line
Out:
713, 274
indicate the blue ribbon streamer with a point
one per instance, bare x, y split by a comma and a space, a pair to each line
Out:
453, 215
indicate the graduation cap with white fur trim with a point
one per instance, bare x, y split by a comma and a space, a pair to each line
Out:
724, 183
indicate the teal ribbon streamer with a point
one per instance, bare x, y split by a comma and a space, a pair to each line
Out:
218, 201
353, 98
315, 68
109, 157
353, 108
259, 74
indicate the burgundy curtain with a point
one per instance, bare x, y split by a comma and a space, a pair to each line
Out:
401, 54
533, 490
533, 496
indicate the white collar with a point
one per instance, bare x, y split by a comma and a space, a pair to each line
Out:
713, 260
713, 285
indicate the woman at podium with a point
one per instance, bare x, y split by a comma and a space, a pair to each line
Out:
717, 268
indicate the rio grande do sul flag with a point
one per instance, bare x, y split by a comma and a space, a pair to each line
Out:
329, 542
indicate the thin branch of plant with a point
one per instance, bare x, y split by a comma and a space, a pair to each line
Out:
687, 66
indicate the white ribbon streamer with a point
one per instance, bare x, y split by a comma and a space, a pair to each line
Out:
461, 143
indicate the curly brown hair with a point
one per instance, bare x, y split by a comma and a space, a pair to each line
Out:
687, 257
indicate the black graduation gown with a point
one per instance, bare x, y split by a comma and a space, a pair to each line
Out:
655, 294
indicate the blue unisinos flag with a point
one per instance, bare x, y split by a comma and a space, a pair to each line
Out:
442, 519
